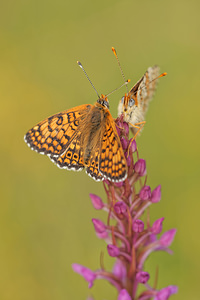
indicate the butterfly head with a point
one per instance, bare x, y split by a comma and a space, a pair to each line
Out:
128, 102
103, 100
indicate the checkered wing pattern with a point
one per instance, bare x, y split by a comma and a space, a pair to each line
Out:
112, 163
59, 137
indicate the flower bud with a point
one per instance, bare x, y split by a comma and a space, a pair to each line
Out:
145, 193
128, 160
156, 194
113, 250
120, 208
124, 143
99, 226
140, 167
142, 277
138, 226
132, 145
96, 201
157, 226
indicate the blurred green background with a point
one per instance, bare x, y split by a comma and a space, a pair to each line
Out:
45, 213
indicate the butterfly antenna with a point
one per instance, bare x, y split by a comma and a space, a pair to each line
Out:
115, 53
80, 65
125, 83
161, 75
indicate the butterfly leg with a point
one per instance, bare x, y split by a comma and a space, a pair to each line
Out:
136, 125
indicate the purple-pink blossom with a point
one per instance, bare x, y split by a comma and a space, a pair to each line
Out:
127, 229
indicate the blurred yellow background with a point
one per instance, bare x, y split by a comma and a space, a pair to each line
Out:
45, 213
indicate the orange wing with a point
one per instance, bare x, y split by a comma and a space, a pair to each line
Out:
112, 162
72, 157
57, 135
92, 168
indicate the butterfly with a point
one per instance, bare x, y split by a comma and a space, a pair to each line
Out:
135, 103
82, 137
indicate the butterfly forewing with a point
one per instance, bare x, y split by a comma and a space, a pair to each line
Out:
53, 135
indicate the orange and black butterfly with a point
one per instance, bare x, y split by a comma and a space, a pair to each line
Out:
82, 137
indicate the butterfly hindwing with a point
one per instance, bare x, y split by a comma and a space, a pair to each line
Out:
72, 157
112, 164
92, 168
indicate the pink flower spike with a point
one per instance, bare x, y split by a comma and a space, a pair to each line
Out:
87, 274
167, 238
142, 277
99, 226
113, 251
145, 193
157, 226
138, 226
156, 194
124, 295
96, 201
140, 167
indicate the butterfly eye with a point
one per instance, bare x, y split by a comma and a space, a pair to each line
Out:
122, 100
131, 102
